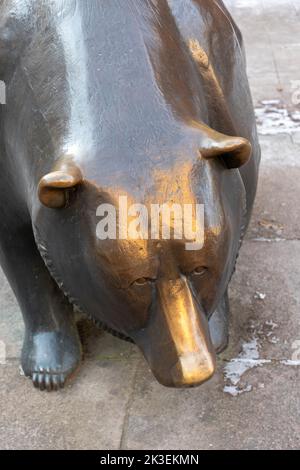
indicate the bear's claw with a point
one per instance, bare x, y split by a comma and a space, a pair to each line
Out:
44, 379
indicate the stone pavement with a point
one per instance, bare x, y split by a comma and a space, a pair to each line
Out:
253, 402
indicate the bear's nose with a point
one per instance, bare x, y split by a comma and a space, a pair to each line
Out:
193, 369
176, 341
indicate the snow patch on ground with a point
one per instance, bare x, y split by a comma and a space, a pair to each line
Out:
287, 362
248, 359
236, 368
273, 118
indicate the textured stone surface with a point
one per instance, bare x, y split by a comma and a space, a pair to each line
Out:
114, 401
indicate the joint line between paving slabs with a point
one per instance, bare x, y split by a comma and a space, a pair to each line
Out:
125, 425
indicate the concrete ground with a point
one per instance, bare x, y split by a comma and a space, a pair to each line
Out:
253, 402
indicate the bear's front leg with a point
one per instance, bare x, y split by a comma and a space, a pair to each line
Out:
52, 348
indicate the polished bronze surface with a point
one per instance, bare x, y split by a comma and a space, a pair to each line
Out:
54, 188
139, 100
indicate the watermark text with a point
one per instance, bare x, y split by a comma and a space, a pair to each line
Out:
160, 222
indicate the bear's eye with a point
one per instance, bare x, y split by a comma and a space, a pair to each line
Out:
142, 281
200, 271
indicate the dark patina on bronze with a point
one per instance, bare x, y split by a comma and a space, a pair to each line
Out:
143, 98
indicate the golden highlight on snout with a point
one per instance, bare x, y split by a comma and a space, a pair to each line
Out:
188, 328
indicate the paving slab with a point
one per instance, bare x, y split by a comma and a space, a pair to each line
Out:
210, 419
276, 214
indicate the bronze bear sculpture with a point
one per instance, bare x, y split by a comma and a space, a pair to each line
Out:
147, 99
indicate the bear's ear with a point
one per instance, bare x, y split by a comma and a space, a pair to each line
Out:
235, 151
54, 188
